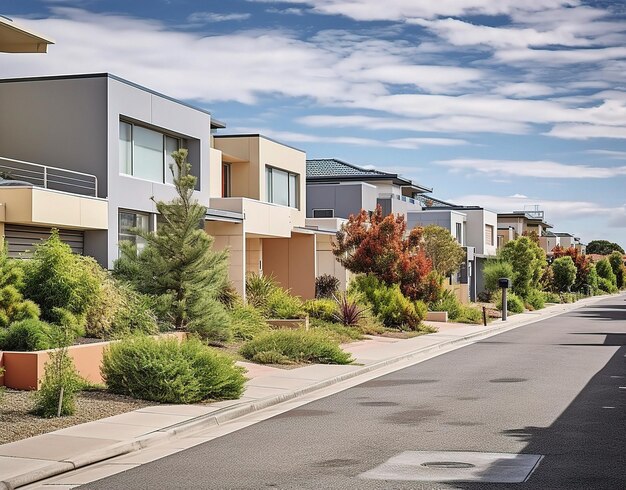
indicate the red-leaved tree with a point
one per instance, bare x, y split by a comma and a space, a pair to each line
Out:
377, 245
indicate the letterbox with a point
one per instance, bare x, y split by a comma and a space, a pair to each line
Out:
504, 282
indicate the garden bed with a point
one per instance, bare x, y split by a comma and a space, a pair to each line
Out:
18, 423
25, 370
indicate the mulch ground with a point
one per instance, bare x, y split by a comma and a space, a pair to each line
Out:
17, 423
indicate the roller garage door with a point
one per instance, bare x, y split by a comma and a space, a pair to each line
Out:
22, 240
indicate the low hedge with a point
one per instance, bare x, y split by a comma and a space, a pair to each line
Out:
26, 336
294, 346
168, 371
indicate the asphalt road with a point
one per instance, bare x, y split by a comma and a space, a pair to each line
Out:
551, 388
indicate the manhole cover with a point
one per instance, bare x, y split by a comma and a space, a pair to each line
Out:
444, 465
456, 466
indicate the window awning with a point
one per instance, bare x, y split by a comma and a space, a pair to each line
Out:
17, 39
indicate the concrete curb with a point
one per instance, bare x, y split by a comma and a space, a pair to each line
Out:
230, 413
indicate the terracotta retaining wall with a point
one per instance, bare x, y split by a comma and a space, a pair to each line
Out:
25, 370
436, 316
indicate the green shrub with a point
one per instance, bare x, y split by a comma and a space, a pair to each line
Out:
370, 324
326, 286
296, 346
26, 336
535, 299
247, 322
616, 259
60, 372
551, 297
388, 303
470, 315
228, 295
324, 309
166, 371
280, 304
57, 280
448, 302
495, 269
134, 313
13, 306
605, 271
337, 331
215, 324
258, 289
514, 302
606, 285
564, 273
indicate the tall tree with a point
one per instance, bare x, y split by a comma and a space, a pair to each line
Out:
377, 245
616, 259
445, 253
582, 262
603, 247
528, 260
178, 264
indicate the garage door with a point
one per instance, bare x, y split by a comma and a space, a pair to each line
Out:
22, 240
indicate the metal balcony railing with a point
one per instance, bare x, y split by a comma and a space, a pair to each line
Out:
49, 177
398, 197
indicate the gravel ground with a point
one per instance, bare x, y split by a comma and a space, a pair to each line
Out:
16, 423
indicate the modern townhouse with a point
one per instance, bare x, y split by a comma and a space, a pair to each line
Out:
336, 189
517, 223
86, 153
473, 227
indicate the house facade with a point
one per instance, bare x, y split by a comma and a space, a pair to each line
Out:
87, 153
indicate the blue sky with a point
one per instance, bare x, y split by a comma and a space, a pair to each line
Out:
499, 103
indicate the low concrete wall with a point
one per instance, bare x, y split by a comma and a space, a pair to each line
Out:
436, 316
25, 370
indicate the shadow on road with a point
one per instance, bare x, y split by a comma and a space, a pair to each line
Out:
585, 448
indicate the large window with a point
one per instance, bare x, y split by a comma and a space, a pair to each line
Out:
129, 220
281, 187
146, 154
459, 233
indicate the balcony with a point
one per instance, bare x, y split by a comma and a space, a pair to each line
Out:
261, 218
47, 177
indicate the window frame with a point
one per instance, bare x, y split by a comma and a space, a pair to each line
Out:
135, 239
164, 136
269, 186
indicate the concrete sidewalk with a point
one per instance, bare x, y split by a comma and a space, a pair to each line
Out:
30, 460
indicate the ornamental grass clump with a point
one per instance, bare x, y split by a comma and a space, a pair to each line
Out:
294, 346
168, 371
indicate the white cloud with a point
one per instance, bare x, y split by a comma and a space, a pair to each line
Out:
522, 90
559, 56
398, 10
586, 131
536, 169
460, 33
613, 154
559, 213
198, 17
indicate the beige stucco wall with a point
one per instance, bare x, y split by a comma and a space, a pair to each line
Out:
36, 206
215, 173
261, 218
292, 263
250, 155
254, 255
229, 236
328, 264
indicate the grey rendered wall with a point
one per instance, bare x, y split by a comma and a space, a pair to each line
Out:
141, 106
60, 123
345, 199
425, 218
476, 229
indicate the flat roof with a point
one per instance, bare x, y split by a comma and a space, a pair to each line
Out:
214, 123
256, 135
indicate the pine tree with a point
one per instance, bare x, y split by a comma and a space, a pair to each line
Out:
178, 264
